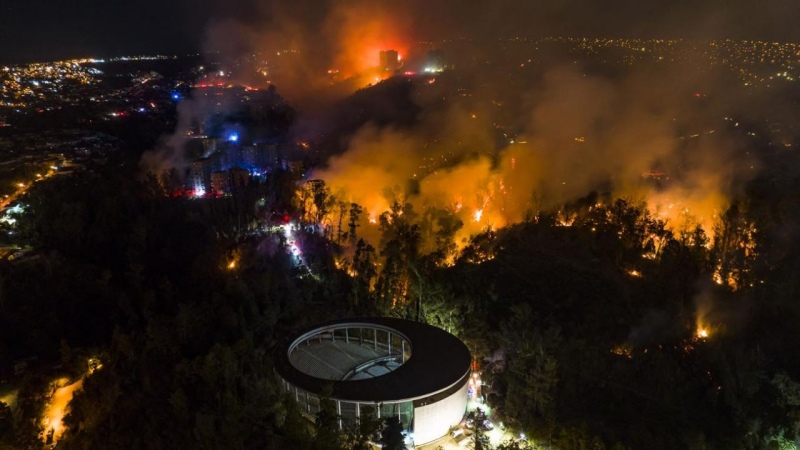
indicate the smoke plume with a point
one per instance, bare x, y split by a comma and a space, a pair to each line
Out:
515, 126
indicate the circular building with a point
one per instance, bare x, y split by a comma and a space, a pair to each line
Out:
380, 366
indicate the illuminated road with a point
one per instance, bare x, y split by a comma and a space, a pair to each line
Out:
54, 413
11, 198
23, 188
293, 247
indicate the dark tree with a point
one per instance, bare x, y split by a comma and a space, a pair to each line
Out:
6, 424
328, 434
368, 426
477, 425
392, 434
364, 269
352, 224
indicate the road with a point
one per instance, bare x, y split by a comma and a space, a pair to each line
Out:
55, 410
23, 188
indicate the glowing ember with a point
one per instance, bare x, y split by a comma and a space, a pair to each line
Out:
233, 260
477, 215
622, 351
635, 273
564, 220
702, 333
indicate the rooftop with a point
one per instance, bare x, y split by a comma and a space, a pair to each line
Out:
437, 362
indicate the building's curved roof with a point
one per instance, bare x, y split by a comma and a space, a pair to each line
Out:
438, 360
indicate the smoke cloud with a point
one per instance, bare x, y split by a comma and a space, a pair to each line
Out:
513, 127
192, 114
574, 132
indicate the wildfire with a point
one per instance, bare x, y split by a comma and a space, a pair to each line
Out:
563, 219
694, 208
373, 218
476, 216
702, 333
635, 273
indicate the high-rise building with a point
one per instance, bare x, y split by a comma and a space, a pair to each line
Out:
389, 60
239, 178
220, 182
230, 166
200, 174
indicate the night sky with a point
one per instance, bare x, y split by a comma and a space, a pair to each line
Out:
48, 29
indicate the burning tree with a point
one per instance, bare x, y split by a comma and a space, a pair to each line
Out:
734, 248
315, 201
400, 245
